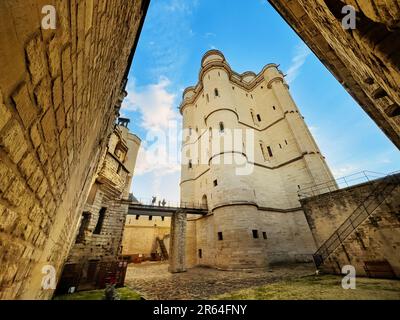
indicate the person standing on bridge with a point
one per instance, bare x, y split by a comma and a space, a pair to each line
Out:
153, 200
163, 203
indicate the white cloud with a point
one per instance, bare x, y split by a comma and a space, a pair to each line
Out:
154, 103
210, 35
301, 54
159, 152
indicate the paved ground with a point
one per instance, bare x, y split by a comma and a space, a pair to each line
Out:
154, 282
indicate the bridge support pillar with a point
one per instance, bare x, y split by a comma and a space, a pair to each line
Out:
177, 259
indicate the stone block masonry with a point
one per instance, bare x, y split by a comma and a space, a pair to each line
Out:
373, 246
60, 92
364, 60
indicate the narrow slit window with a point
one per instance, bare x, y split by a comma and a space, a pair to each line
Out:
286, 142
216, 92
264, 235
221, 127
200, 253
270, 151
263, 151
220, 236
273, 107
259, 118
215, 183
252, 116
100, 221
255, 234
190, 164
208, 98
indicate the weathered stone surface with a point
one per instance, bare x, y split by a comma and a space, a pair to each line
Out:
99, 238
24, 105
43, 181
376, 238
154, 282
363, 60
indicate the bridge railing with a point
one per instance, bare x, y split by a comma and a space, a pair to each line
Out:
171, 204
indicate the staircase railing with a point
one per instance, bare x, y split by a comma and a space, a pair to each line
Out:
380, 192
339, 183
164, 252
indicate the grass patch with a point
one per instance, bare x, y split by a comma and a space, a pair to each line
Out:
124, 293
322, 287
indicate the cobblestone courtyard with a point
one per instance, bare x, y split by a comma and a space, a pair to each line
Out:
154, 282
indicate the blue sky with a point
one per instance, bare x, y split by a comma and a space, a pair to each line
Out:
251, 34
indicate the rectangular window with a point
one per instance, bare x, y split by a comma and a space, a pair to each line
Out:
220, 237
150, 217
270, 151
200, 253
264, 235
162, 218
255, 234
100, 221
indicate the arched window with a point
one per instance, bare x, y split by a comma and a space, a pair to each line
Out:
216, 92
204, 203
221, 127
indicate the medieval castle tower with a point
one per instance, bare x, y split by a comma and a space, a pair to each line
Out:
249, 186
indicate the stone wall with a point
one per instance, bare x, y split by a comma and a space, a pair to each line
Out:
364, 60
58, 93
140, 235
99, 239
377, 239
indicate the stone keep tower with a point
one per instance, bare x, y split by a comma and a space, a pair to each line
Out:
250, 185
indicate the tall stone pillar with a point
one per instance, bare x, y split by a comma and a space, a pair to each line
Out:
177, 245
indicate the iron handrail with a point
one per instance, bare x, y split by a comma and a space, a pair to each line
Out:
351, 222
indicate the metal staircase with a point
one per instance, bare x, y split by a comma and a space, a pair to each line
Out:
164, 251
382, 189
